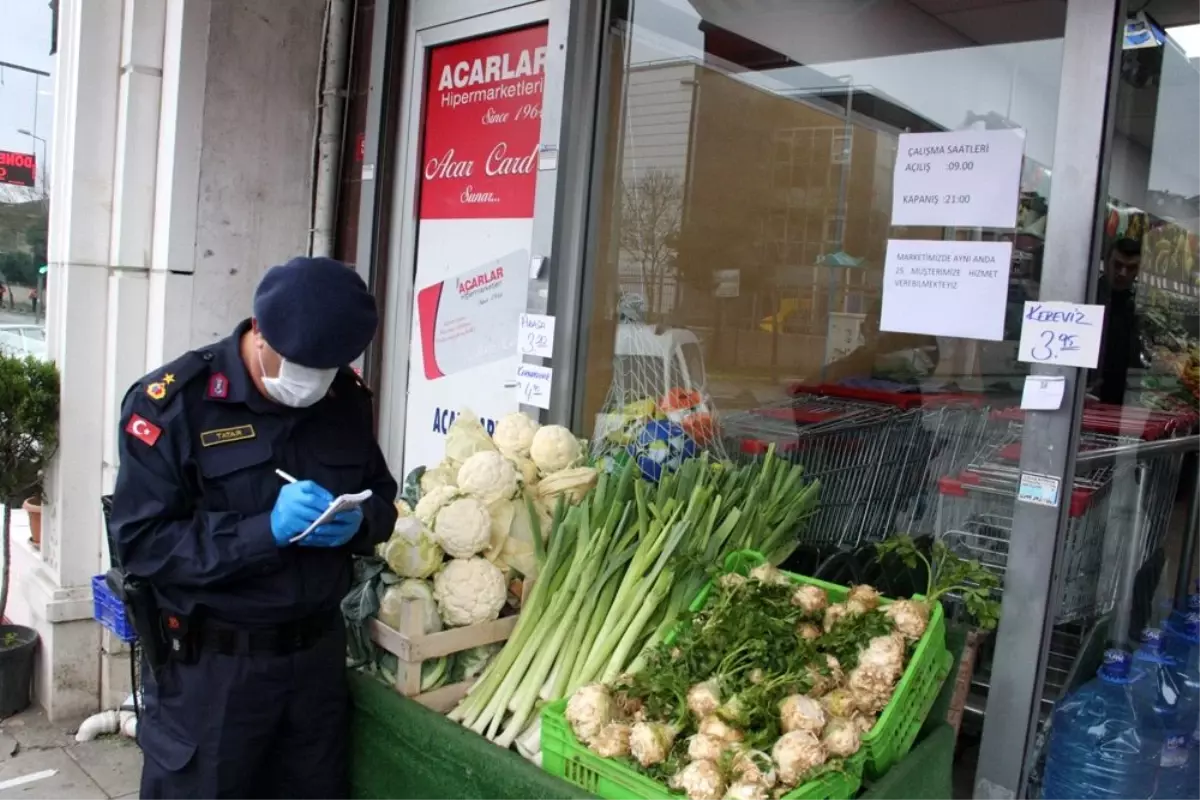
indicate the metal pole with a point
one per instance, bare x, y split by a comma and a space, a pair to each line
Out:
331, 111
30, 70
1118, 633
1187, 554
1050, 439
584, 103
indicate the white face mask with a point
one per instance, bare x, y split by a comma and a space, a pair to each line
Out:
296, 386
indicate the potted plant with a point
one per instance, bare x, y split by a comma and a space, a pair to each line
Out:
33, 509
28, 440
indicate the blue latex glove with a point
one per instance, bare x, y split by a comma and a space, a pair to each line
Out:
297, 506
337, 531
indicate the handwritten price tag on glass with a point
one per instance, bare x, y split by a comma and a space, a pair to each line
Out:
533, 385
535, 335
1063, 334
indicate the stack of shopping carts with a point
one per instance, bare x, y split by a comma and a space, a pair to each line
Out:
975, 508
876, 454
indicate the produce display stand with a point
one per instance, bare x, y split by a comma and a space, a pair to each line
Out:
412, 647
400, 749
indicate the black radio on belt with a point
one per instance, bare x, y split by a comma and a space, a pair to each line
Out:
181, 639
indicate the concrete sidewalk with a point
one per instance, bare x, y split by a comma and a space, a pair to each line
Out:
42, 759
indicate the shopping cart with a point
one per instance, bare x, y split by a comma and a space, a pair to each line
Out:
875, 453
975, 506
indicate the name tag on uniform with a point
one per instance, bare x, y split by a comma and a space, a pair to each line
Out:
227, 435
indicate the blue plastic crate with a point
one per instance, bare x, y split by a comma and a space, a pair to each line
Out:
110, 611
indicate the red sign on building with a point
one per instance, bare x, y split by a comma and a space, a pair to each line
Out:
19, 169
483, 108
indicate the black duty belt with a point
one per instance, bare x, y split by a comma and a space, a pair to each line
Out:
283, 639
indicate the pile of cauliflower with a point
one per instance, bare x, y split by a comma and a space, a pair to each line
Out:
471, 532
815, 728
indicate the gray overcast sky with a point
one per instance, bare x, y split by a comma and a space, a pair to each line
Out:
25, 40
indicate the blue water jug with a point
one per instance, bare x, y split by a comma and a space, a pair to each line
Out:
1163, 687
1105, 741
1183, 646
1175, 628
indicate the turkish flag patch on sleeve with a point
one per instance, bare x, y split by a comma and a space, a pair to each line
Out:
143, 430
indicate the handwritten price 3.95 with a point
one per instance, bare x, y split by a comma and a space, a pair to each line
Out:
1053, 344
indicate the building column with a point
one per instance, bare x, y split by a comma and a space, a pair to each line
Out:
109, 138
51, 588
177, 183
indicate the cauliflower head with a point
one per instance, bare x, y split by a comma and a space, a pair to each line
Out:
430, 504
444, 474
554, 448
463, 527
514, 434
391, 605
469, 591
488, 476
466, 437
412, 552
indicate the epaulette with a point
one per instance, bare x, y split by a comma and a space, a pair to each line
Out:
356, 380
169, 380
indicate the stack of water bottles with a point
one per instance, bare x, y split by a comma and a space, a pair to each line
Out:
1134, 730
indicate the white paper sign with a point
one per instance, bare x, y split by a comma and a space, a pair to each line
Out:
946, 288
535, 335
1043, 392
969, 179
533, 385
1065, 334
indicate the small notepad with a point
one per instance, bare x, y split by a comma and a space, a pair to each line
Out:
339, 504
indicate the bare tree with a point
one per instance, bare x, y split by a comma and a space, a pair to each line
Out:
651, 212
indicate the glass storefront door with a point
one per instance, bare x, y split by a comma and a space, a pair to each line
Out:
815, 229
1136, 486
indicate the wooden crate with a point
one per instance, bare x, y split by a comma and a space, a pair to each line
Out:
412, 647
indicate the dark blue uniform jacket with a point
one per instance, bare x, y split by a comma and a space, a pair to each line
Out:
199, 446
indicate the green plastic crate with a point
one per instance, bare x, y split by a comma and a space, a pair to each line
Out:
898, 725
565, 757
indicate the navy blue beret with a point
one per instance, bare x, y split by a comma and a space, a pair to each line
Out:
315, 312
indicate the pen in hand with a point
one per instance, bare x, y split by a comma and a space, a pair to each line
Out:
285, 476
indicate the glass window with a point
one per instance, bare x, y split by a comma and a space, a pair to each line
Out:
1130, 550
744, 219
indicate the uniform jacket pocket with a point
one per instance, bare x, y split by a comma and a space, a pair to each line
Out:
238, 476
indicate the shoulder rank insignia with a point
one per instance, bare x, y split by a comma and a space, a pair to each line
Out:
158, 389
218, 386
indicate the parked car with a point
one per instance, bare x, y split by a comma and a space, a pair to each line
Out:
23, 340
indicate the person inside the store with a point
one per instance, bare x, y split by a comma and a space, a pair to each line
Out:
229, 455
1121, 342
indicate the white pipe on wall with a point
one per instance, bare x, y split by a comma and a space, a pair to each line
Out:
331, 105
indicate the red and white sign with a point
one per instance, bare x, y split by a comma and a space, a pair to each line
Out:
472, 319
483, 120
143, 430
482, 126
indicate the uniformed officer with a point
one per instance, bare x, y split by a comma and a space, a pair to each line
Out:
252, 700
